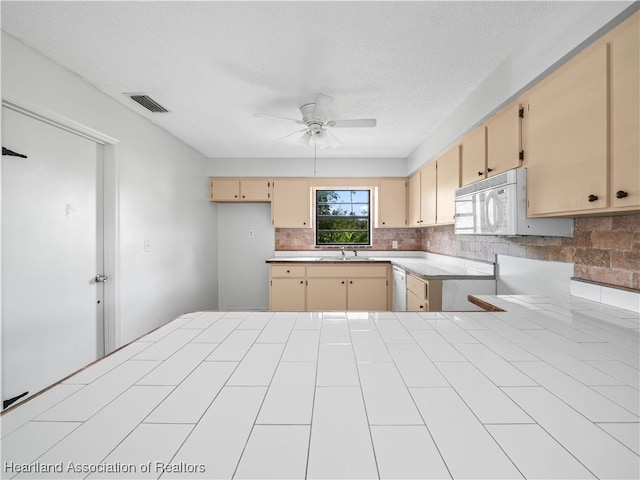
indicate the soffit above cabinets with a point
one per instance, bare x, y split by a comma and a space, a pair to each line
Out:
213, 65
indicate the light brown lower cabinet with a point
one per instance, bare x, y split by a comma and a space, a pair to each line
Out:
330, 287
326, 294
367, 294
287, 288
423, 295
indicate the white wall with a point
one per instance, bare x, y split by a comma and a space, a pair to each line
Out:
548, 46
304, 167
162, 195
242, 272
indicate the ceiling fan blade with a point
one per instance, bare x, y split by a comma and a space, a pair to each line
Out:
323, 103
266, 115
353, 123
290, 134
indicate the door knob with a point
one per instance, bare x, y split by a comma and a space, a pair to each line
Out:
621, 194
593, 198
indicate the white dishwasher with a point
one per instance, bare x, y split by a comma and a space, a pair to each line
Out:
399, 290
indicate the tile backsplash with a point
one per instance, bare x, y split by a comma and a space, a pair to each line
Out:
409, 239
603, 249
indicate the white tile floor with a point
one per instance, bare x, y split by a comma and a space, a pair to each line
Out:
547, 389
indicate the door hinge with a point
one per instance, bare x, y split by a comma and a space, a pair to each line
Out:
521, 112
521, 155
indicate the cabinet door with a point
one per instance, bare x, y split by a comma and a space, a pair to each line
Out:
567, 151
428, 184
448, 179
291, 204
474, 156
392, 203
326, 294
367, 294
415, 303
415, 218
504, 140
625, 114
287, 295
223, 190
254, 190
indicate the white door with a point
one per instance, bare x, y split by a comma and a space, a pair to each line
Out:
52, 306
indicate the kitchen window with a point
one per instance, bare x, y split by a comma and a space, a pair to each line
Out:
343, 217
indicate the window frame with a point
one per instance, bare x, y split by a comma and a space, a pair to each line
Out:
370, 215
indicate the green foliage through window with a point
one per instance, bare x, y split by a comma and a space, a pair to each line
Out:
343, 217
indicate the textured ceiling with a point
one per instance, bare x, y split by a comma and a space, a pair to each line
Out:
213, 65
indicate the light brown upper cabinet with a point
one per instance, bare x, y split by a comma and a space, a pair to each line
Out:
581, 144
474, 156
428, 186
624, 61
415, 218
291, 204
567, 137
422, 196
504, 140
448, 179
239, 190
392, 203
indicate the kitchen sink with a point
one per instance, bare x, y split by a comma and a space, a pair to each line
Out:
344, 259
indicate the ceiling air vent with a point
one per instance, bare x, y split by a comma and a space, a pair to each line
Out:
147, 102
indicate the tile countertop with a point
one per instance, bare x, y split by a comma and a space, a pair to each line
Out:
427, 268
343, 395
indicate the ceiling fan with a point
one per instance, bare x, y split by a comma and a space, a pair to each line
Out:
317, 124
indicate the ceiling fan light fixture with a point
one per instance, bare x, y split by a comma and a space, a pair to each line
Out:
305, 138
320, 138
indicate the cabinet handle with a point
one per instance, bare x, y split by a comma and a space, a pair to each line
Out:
489, 169
243, 196
235, 196
351, 281
593, 198
422, 306
621, 194
480, 174
301, 282
384, 223
342, 282
304, 223
288, 271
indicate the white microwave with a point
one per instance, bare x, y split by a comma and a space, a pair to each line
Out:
498, 206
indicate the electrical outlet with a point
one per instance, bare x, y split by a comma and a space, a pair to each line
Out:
252, 233
394, 244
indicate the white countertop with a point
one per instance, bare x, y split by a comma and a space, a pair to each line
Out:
345, 394
428, 268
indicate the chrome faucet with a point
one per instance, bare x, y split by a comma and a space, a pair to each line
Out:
342, 252
355, 253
